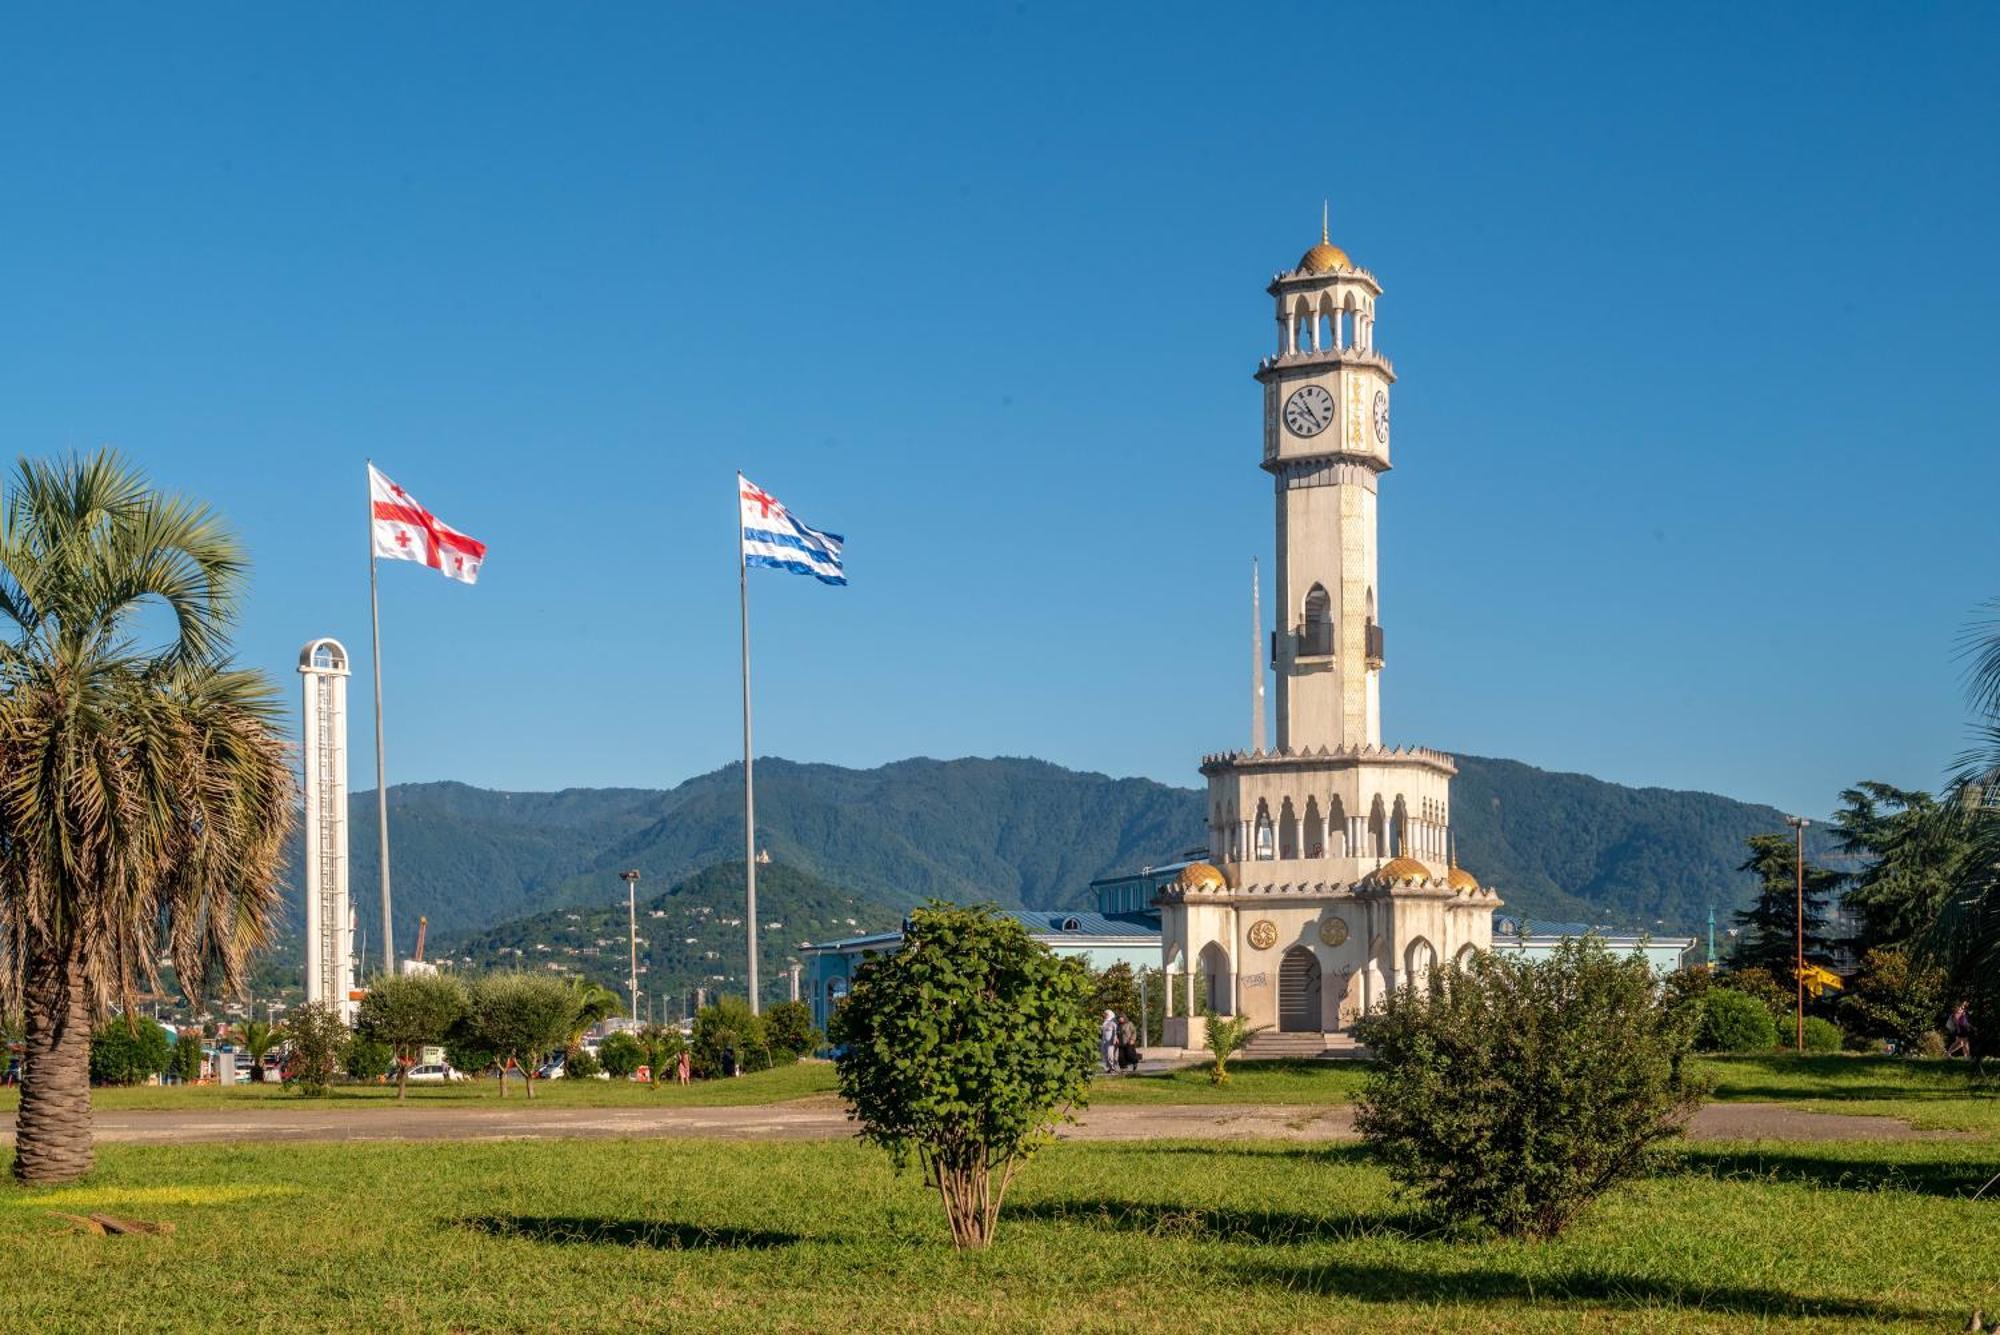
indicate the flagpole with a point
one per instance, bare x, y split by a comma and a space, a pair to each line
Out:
749, 786
381, 766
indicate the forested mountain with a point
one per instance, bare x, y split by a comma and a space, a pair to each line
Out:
1018, 832
691, 935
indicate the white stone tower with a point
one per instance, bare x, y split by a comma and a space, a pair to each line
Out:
1331, 878
329, 938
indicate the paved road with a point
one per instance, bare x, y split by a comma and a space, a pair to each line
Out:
822, 1119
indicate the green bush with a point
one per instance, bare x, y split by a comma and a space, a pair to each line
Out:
579, 1064
965, 1048
1514, 1092
727, 1024
318, 1038
620, 1055
1732, 1021
128, 1054
367, 1060
788, 1029
1822, 1035
188, 1061
1930, 1045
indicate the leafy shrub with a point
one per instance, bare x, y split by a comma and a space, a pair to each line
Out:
1733, 1022
664, 1043
365, 1059
1931, 1045
188, 1060
580, 1064
128, 1051
726, 1025
620, 1055
788, 1030
1778, 999
1893, 998
1822, 1035
318, 1039
966, 1047
1514, 1092
1225, 1036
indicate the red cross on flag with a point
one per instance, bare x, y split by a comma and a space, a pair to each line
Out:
404, 531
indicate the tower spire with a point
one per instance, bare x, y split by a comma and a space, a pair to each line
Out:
1256, 661
1324, 238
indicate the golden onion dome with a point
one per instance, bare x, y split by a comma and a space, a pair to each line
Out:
1324, 258
1458, 878
1200, 876
1397, 870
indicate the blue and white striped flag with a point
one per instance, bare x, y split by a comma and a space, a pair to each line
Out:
773, 537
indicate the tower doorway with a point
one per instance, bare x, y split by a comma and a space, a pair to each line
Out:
1298, 992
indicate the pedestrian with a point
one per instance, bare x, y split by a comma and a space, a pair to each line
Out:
1107, 1041
684, 1067
729, 1063
1958, 1031
1128, 1044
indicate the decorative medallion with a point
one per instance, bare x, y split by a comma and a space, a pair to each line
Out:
1333, 931
1263, 934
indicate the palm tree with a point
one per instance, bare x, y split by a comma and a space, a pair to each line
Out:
145, 792
258, 1040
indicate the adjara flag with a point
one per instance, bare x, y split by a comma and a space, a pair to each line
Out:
404, 531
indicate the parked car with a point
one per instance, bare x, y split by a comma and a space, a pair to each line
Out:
435, 1073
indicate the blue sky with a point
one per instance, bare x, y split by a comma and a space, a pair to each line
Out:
1692, 313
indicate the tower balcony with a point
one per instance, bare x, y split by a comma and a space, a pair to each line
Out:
1374, 645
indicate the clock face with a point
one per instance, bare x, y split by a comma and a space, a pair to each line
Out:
1309, 411
1381, 417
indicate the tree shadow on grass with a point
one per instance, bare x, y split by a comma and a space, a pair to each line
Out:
1382, 1281
1222, 1223
1323, 1152
660, 1235
1936, 1177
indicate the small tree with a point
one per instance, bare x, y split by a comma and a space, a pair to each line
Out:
188, 1060
126, 1050
664, 1045
523, 1019
318, 1039
1894, 999
409, 1013
1770, 925
258, 1040
1226, 1036
789, 1032
1116, 990
725, 1025
966, 1047
1515, 1093
579, 1064
621, 1055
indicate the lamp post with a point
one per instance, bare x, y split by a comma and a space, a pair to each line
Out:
1798, 824
631, 879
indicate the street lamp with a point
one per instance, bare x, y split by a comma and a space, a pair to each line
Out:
1798, 824
631, 879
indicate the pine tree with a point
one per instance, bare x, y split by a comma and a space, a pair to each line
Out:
1770, 924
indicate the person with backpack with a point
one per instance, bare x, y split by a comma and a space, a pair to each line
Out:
1128, 1044
1958, 1031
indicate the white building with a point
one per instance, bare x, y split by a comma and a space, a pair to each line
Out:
329, 923
1330, 876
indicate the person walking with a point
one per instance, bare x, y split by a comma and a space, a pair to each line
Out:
1107, 1041
1128, 1044
729, 1068
1958, 1031
684, 1067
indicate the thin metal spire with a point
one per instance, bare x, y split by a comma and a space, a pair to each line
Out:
1325, 238
1256, 660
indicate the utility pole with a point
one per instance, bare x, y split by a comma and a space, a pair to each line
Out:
631, 879
1798, 824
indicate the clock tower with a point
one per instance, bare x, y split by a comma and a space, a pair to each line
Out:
1326, 443
1331, 877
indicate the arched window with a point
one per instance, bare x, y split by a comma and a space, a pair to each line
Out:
1266, 836
1378, 829
1418, 961
1399, 826
1336, 830
1288, 831
1316, 639
1220, 984
1315, 830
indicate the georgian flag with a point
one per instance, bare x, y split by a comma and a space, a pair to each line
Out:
773, 538
402, 530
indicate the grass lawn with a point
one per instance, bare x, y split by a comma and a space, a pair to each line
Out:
787, 1082
600, 1235
1249, 1082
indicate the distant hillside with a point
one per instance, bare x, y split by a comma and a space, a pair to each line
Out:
692, 935
1019, 832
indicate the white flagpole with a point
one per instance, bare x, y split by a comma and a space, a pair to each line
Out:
381, 766
749, 787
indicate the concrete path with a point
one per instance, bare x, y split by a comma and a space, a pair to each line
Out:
822, 1119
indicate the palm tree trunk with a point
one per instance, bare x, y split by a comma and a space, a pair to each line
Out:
52, 1129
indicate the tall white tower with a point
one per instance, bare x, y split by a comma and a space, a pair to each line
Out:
329, 924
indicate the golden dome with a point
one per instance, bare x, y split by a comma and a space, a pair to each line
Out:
1458, 878
1324, 258
1200, 876
1400, 869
